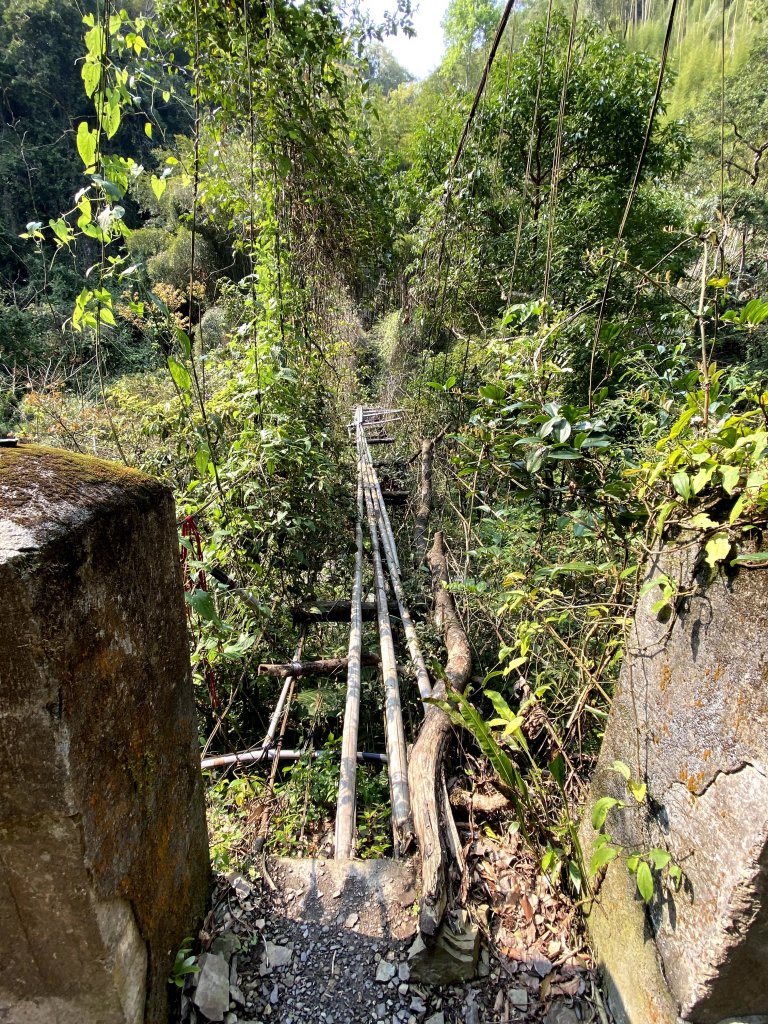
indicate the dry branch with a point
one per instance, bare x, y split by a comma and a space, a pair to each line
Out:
425, 501
433, 821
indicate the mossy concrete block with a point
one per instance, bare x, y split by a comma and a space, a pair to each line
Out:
103, 849
690, 718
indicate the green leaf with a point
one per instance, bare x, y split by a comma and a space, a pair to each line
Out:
701, 521
110, 115
61, 230
284, 166
660, 858
202, 458
622, 769
180, 375
86, 146
557, 767
91, 74
682, 484
644, 881
602, 856
703, 477
158, 186
730, 476
751, 558
755, 312
637, 789
184, 340
675, 875
601, 808
681, 423
148, 129
202, 602
492, 392
574, 873
563, 454
717, 548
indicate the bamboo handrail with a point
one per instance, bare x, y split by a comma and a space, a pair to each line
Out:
346, 805
393, 714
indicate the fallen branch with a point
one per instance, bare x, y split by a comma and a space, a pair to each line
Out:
441, 862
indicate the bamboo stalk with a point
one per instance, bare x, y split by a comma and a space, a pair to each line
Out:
425, 504
382, 514
393, 714
346, 807
390, 552
269, 738
260, 754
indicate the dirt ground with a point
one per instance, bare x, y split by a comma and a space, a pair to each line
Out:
329, 942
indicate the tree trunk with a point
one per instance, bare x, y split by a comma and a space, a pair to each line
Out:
441, 858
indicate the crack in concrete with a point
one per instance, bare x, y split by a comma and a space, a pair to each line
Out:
727, 771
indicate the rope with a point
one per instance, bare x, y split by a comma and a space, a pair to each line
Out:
632, 194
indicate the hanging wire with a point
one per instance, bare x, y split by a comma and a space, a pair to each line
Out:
251, 193
531, 140
450, 183
631, 196
199, 378
557, 155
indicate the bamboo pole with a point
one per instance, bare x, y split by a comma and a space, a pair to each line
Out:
390, 552
346, 803
425, 502
259, 755
269, 737
393, 714
382, 514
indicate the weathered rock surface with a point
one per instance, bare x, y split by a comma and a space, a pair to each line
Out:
212, 990
690, 718
103, 849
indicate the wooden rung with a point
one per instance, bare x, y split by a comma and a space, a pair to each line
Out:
319, 667
336, 611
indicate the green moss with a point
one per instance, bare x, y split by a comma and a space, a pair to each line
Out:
33, 479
